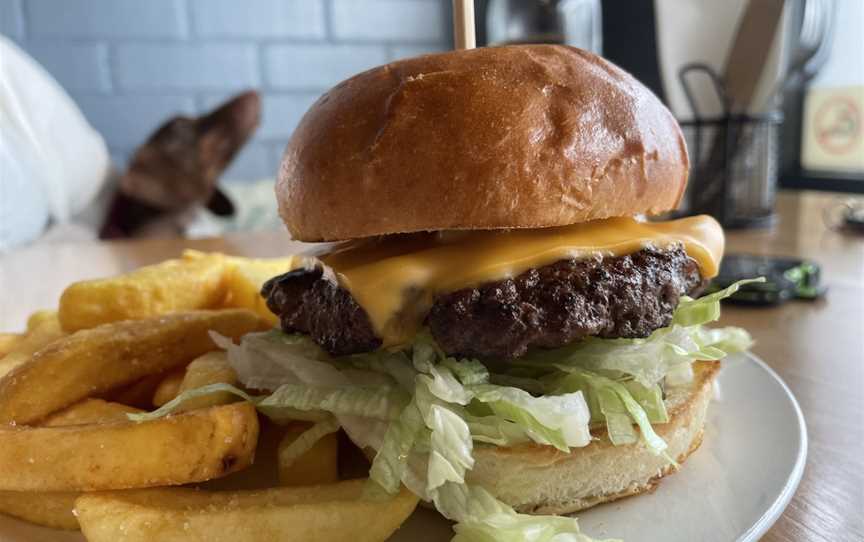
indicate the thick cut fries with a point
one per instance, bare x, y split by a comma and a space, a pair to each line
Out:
244, 280
319, 465
94, 361
263, 473
39, 317
54, 509
328, 513
89, 411
169, 387
189, 447
43, 334
211, 368
139, 393
171, 286
8, 342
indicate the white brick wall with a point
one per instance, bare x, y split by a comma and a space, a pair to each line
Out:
318, 66
132, 63
122, 19
11, 19
396, 20
278, 19
185, 66
79, 66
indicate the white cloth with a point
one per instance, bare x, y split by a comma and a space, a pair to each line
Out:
52, 162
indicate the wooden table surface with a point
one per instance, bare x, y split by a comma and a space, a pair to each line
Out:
816, 347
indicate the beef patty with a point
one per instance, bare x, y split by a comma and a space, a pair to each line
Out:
547, 307
307, 302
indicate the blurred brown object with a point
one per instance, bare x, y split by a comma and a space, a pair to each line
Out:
177, 168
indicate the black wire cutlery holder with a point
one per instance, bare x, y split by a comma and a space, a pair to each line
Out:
734, 168
734, 158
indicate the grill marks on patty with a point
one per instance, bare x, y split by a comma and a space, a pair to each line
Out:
547, 307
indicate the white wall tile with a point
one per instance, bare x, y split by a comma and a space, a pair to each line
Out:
318, 66
11, 19
258, 19
154, 66
107, 18
389, 20
76, 66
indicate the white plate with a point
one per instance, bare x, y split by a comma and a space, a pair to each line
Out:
733, 488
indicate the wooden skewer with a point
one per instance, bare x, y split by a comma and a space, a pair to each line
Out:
463, 24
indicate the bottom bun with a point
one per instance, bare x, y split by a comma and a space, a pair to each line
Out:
539, 479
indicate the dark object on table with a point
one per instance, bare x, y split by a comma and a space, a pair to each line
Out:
786, 278
845, 216
853, 218
177, 169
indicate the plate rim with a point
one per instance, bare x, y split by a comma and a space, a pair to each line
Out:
773, 513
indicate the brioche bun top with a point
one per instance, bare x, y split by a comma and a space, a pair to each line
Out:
523, 136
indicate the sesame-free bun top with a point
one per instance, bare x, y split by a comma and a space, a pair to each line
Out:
522, 136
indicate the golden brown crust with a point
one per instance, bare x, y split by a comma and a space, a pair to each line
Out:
508, 137
553, 482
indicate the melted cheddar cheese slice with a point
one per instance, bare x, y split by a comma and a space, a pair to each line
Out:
396, 278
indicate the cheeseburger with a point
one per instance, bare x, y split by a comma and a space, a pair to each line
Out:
490, 315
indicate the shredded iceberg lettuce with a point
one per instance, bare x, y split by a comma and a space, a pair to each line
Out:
619, 405
481, 517
292, 402
667, 350
424, 412
692, 312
